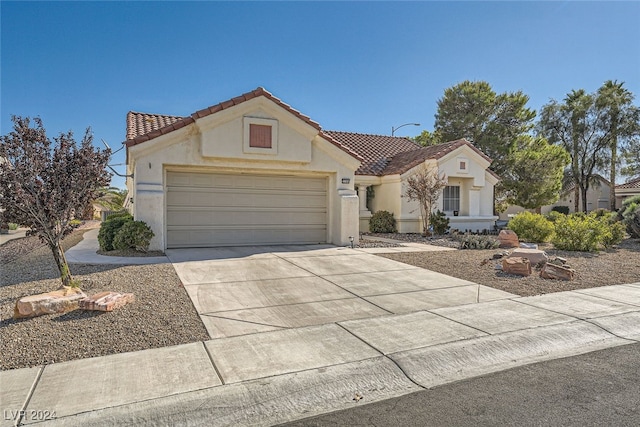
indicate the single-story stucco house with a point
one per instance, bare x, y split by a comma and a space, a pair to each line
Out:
597, 198
628, 189
252, 170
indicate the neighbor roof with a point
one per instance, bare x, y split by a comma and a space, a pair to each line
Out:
633, 184
142, 127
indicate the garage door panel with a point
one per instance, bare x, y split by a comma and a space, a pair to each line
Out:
223, 209
231, 236
206, 218
252, 198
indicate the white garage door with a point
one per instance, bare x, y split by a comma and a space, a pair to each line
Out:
205, 209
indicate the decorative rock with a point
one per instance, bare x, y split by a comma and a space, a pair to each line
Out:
60, 301
561, 272
508, 239
516, 265
500, 255
528, 245
105, 301
534, 256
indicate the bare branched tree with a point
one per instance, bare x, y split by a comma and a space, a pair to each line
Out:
425, 186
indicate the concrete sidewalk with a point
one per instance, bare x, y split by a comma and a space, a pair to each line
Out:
13, 234
85, 253
277, 376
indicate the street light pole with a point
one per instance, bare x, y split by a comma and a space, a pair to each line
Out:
394, 129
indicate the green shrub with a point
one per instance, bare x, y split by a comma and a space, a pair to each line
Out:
632, 222
531, 227
109, 229
382, 222
13, 226
554, 215
119, 214
75, 223
439, 221
561, 209
630, 215
133, 235
614, 235
475, 241
586, 233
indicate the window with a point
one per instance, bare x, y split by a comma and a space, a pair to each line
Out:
463, 165
451, 198
259, 136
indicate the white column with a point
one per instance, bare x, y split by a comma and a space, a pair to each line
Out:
474, 201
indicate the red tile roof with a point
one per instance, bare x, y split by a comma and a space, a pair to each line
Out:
388, 155
376, 150
143, 127
633, 184
142, 123
380, 154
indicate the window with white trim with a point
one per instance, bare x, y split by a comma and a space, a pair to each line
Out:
451, 198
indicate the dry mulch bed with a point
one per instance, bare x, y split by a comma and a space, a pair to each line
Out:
613, 267
162, 314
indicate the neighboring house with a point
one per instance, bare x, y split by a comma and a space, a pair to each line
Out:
390, 161
252, 170
628, 189
597, 198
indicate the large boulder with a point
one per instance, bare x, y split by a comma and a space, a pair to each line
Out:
60, 301
518, 266
105, 301
535, 256
508, 239
559, 272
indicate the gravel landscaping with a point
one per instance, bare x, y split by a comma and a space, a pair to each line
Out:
162, 314
613, 267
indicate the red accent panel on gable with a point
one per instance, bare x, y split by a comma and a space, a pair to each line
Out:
259, 136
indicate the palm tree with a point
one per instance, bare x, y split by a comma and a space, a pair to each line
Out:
111, 198
615, 101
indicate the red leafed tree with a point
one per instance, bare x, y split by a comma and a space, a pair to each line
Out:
43, 184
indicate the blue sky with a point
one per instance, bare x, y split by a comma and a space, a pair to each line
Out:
354, 66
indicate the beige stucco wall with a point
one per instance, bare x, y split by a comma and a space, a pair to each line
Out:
476, 193
220, 138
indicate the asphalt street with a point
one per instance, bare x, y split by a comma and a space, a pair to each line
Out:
595, 389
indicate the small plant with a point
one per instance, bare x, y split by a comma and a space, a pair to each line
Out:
561, 209
133, 235
382, 222
531, 227
475, 241
13, 226
75, 223
586, 232
439, 222
110, 228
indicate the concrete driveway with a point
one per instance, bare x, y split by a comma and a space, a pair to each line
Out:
245, 290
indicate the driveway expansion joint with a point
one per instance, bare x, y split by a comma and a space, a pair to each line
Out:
213, 364
242, 321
